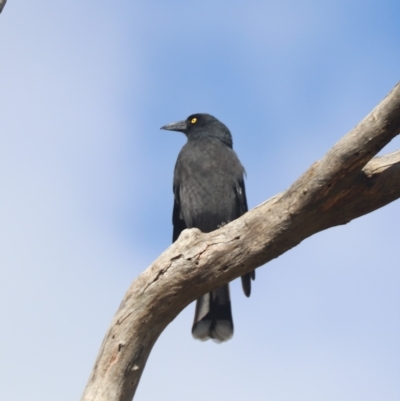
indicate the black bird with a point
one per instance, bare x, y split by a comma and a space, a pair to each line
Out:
209, 192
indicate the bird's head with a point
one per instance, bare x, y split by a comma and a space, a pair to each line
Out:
202, 125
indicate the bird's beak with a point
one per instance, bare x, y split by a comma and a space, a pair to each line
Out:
180, 126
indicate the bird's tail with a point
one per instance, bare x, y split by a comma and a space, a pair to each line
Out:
213, 316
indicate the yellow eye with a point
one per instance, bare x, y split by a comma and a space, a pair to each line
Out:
193, 120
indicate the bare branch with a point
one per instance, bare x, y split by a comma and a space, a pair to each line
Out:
2, 4
345, 184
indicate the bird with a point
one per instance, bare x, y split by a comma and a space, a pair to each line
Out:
209, 192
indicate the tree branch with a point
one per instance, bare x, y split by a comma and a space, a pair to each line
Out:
345, 184
2, 4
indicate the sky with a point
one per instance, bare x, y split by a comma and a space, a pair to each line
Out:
86, 200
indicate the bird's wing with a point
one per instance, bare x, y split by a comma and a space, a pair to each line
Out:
179, 224
240, 195
241, 207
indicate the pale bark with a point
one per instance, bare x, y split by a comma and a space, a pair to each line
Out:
345, 184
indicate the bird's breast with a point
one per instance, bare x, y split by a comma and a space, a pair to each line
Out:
206, 175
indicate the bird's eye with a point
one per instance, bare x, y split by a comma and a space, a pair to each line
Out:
193, 120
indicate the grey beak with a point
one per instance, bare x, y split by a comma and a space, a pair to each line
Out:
180, 126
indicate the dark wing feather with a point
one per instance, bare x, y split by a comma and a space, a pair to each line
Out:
241, 204
179, 224
241, 201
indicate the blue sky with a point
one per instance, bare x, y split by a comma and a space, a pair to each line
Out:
87, 191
